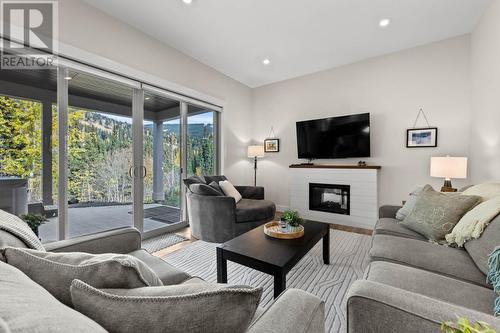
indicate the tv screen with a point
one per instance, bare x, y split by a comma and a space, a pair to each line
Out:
335, 137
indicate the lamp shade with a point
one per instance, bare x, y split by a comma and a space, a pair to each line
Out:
449, 167
255, 151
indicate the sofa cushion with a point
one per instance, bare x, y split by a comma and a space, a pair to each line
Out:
390, 226
404, 211
167, 273
216, 186
17, 227
432, 285
436, 258
27, 307
204, 189
435, 214
472, 224
55, 271
216, 179
9, 240
194, 180
229, 190
479, 249
248, 210
197, 308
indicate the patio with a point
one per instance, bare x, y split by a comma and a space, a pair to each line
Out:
89, 220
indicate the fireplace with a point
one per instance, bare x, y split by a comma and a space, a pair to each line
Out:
331, 198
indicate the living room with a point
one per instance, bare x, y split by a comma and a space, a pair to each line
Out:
188, 137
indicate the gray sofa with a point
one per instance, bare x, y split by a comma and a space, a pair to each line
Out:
218, 218
293, 311
412, 285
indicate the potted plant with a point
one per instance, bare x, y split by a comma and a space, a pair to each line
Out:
293, 219
463, 326
34, 221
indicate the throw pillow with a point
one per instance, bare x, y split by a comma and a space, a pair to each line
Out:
486, 191
20, 229
229, 190
216, 186
193, 180
472, 224
197, 308
216, 179
435, 213
410, 203
203, 189
493, 276
27, 307
55, 271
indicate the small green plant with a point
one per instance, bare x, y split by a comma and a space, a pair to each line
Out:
463, 326
34, 221
292, 217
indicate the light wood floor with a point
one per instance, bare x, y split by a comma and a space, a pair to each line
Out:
186, 232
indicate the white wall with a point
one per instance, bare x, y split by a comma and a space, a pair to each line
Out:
86, 28
392, 88
485, 63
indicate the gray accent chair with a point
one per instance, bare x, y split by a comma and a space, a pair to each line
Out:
294, 311
412, 285
216, 218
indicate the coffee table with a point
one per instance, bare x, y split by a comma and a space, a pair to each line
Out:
272, 256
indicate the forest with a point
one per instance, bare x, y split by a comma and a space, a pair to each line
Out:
99, 153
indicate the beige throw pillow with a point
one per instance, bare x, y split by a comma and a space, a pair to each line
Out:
194, 308
486, 191
435, 214
55, 271
229, 190
472, 224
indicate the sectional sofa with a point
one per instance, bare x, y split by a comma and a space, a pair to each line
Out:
412, 285
27, 307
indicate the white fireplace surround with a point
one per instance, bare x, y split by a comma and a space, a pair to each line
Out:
363, 193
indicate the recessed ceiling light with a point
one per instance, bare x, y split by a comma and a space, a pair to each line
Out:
266, 61
68, 78
187, 2
384, 22
147, 98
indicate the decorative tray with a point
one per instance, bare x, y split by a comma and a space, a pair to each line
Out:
273, 229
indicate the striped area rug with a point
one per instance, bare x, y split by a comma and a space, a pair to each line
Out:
348, 259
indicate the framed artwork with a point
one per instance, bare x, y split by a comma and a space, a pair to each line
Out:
421, 137
271, 145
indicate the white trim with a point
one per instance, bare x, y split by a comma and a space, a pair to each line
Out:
180, 98
137, 160
62, 129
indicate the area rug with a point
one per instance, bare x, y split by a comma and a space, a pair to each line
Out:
348, 259
163, 241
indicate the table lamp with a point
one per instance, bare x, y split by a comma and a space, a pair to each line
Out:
255, 152
449, 167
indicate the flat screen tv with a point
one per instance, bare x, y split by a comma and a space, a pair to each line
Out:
335, 137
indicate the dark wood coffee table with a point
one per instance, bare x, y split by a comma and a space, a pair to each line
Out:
272, 256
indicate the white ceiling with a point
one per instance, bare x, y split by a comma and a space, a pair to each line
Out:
299, 36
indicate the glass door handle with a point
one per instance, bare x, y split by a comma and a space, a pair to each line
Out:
130, 173
145, 171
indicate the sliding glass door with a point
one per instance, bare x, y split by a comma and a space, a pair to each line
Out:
94, 151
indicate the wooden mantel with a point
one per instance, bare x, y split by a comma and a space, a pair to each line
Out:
333, 166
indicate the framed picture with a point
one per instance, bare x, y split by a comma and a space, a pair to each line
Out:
421, 137
272, 145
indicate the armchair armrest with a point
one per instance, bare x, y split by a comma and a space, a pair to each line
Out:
295, 311
251, 192
123, 240
375, 307
388, 211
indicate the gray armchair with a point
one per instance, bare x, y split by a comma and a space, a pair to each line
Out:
214, 217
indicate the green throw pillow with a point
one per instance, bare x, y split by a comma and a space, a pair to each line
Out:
435, 213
